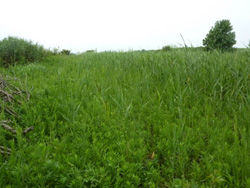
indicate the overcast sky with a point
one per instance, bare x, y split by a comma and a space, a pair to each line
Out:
81, 25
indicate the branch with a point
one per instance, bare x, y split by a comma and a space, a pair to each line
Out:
12, 130
9, 111
8, 97
5, 150
7, 127
28, 130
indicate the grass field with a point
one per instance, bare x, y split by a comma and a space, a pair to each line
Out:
136, 119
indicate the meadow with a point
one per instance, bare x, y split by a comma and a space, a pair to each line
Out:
131, 119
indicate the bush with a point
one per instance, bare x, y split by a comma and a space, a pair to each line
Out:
220, 36
65, 52
166, 48
90, 51
13, 50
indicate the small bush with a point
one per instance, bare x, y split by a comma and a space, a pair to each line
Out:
13, 50
90, 51
65, 52
166, 48
220, 36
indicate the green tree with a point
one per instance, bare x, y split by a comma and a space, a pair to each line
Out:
220, 37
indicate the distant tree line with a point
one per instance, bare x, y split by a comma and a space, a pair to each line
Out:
12, 49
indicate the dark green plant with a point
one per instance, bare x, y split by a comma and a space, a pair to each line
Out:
90, 51
166, 48
13, 50
33, 52
65, 52
220, 37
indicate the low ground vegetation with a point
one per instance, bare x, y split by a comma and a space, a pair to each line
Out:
136, 119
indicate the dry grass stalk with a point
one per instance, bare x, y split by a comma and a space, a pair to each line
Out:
9, 111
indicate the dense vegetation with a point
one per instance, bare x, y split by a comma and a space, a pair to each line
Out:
13, 50
137, 119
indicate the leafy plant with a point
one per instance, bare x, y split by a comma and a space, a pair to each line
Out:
220, 37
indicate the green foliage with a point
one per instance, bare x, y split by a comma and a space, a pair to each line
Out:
90, 51
13, 50
166, 48
55, 51
65, 52
137, 119
220, 37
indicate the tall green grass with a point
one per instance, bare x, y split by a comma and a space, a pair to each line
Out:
139, 119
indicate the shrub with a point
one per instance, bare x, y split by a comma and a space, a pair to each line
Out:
90, 51
220, 36
65, 52
13, 50
166, 48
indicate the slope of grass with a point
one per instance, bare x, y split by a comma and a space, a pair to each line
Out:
137, 119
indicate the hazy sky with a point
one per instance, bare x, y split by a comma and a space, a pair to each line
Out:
81, 25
